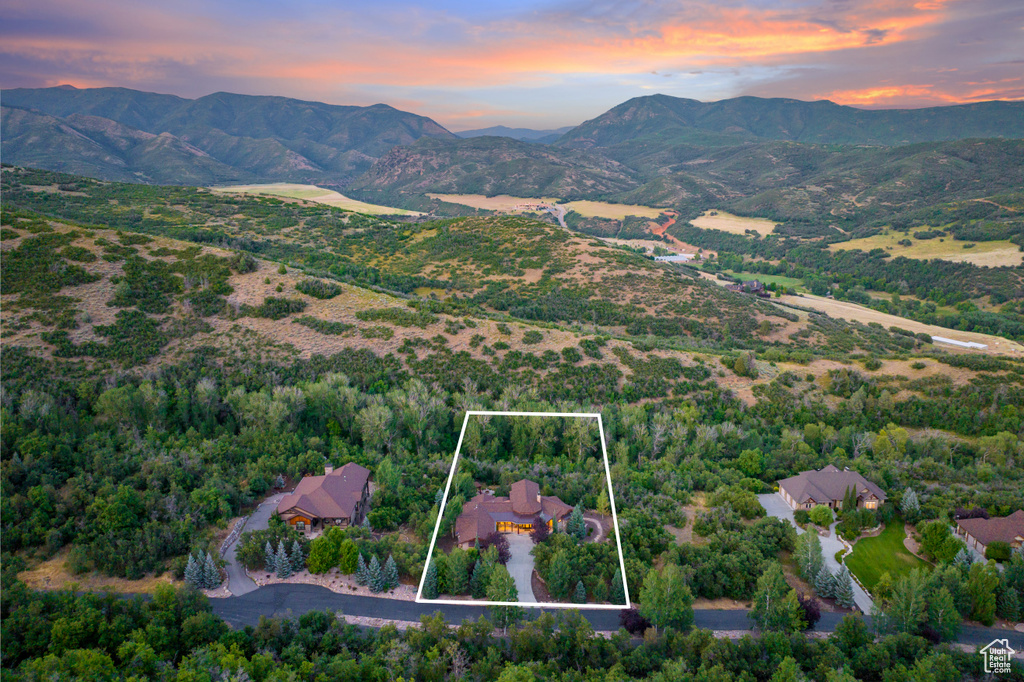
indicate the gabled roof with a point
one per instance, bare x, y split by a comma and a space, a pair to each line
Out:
828, 483
480, 514
332, 496
1004, 528
525, 496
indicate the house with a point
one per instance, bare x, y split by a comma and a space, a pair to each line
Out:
487, 513
979, 533
338, 498
828, 486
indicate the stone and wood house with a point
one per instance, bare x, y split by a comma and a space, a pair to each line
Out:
828, 486
517, 513
338, 498
980, 533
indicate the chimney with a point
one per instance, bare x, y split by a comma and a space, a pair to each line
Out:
328, 468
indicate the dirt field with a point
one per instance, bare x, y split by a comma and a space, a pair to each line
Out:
992, 254
317, 194
600, 209
851, 311
726, 222
589, 209
53, 574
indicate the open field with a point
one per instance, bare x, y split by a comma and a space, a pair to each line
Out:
316, 194
992, 254
588, 209
53, 574
872, 557
846, 310
788, 282
726, 222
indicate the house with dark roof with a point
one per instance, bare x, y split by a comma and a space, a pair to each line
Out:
980, 533
828, 486
338, 498
487, 513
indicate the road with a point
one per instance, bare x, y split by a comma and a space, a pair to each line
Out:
238, 582
777, 507
283, 599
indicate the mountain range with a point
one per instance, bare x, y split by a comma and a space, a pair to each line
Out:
524, 134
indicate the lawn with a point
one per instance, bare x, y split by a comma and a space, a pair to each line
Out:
872, 557
788, 282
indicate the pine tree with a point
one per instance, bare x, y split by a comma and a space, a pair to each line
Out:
430, 583
282, 565
366, 523
577, 527
618, 593
192, 572
963, 559
843, 590
579, 595
211, 574
269, 557
298, 559
560, 575
458, 572
909, 505
390, 573
362, 576
825, 583
374, 576
478, 583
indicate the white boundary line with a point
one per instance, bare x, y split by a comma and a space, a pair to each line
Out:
444, 502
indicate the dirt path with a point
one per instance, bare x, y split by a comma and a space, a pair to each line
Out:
661, 230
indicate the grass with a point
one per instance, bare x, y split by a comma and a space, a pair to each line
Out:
316, 194
780, 280
588, 209
726, 222
993, 254
53, 574
872, 557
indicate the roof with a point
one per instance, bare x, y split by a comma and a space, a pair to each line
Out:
999, 528
828, 483
332, 496
481, 513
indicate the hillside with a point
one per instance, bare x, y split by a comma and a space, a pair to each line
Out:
524, 134
256, 138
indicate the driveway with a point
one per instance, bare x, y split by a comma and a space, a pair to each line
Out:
780, 509
239, 582
520, 566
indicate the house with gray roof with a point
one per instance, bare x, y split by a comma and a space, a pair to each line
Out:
487, 513
828, 486
338, 498
980, 533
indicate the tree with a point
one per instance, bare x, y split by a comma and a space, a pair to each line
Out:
788, 671
850, 499
560, 575
374, 575
843, 590
982, 581
906, 609
458, 572
211, 574
269, 557
577, 527
323, 555
665, 598
825, 583
348, 559
579, 595
390, 573
540, 532
386, 476
909, 506
193, 574
502, 588
811, 610
821, 515
297, 558
943, 615
430, 582
478, 583
362, 573
618, 595
808, 554
500, 543
775, 605
282, 564
603, 505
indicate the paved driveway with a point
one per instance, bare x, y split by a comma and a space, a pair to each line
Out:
238, 582
780, 509
520, 566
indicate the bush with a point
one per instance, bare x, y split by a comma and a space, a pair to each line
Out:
821, 516
811, 610
532, 337
998, 551
318, 288
802, 516
633, 622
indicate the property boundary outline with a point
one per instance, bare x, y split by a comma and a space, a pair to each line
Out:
444, 502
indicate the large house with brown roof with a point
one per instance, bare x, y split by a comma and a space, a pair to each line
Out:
980, 533
828, 486
487, 513
338, 498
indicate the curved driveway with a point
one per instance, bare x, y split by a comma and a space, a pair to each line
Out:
239, 582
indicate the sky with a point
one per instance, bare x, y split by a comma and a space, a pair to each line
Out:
530, 63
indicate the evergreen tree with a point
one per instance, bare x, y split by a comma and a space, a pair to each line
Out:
362, 574
843, 588
943, 615
349, 557
579, 595
374, 576
193, 574
909, 506
366, 523
560, 575
502, 588
297, 558
618, 592
478, 583
963, 559
390, 573
269, 558
458, 572
282, 564
825, 583
430, 582
476, 545
577, 527
211, 574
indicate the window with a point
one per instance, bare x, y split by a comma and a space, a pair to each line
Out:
300, 525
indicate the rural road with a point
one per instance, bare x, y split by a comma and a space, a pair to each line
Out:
239, 582
283, 599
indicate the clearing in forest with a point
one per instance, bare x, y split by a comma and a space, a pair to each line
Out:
991, 254
587, 209
316, 194
734, 224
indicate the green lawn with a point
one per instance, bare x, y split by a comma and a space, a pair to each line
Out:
788, 282
872, 557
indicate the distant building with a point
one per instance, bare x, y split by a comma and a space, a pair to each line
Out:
828, 486
487, 513
752, 286
980, 533
338, 498
675, 258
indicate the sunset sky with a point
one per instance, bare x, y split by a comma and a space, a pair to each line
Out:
532, 63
